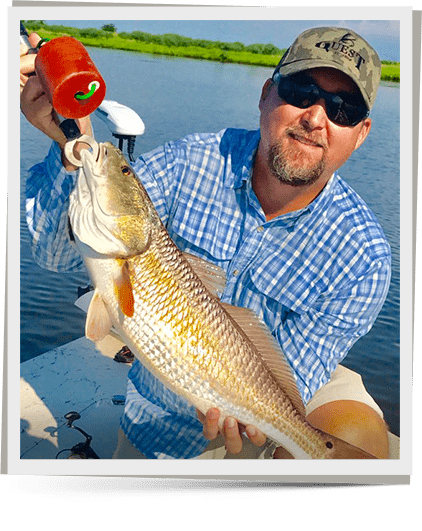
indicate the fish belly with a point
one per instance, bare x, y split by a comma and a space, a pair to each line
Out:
183, 336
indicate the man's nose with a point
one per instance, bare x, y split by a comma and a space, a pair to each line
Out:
315, 116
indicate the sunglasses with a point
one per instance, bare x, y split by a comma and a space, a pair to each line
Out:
301, 91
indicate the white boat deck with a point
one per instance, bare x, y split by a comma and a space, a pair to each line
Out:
74, 377
82, 377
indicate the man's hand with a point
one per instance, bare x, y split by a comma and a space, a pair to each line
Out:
232, 431
27, 62
36, 106
34, 103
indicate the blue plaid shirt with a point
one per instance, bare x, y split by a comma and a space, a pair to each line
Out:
318, 276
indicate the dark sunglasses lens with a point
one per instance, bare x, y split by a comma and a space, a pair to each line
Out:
298, 95
303, 94
345, 114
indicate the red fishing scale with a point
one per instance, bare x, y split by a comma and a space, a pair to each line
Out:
69, 77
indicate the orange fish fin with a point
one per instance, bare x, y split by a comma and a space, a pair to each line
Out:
270, 351
123, 291
212, 276
98, 322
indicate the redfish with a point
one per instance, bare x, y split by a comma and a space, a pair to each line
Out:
165, 306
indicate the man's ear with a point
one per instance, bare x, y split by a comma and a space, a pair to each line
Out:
265, 91
363, 133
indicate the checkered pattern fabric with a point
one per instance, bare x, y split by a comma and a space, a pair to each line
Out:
318, 277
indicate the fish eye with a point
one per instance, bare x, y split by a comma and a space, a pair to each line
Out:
126, 170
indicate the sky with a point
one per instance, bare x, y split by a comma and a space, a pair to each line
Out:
383, 35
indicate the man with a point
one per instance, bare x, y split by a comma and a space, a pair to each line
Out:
298, 245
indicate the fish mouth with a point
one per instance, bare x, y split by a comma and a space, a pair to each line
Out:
99, 166
91, 213
102, 155
88, 153
93, 157
94, 164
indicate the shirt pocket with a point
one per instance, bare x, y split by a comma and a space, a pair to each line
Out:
202, 227
287, 281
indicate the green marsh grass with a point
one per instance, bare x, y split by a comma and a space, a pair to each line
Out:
178, 46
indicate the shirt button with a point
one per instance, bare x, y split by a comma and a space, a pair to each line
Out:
260, 228
235, 272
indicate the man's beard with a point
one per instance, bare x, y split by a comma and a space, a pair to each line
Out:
284, 164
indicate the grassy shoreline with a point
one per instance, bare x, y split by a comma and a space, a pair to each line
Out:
183, 47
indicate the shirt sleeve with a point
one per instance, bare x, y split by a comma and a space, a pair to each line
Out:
48, 188
316, 341
160, 171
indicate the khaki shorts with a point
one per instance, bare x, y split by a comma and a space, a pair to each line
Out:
344, 385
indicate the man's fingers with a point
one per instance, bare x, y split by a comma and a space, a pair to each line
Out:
34, 101
22, 82
281, 453
27, 63
35, 106
33, 90
211, 423
34, 39
23, 49
232, 430
232, 436
27, 60
40, 113
256, 436
85, 128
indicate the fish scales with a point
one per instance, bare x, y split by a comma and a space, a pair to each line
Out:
191, 344
176, 327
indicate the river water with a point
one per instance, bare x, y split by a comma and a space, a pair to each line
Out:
175, 97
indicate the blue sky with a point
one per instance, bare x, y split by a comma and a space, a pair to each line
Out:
383, 35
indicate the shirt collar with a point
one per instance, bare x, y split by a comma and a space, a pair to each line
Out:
241, 168
241, 173
314, 209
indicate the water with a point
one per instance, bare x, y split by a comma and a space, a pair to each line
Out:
175, 97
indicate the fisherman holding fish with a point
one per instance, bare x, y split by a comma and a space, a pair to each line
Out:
297, 245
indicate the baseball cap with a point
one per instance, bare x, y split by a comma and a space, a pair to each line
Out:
338, 48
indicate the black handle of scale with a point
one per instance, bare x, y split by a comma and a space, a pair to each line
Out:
70, 129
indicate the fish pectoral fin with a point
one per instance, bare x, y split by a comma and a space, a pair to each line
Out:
270, 351
98, 322
212, 276
123, 291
